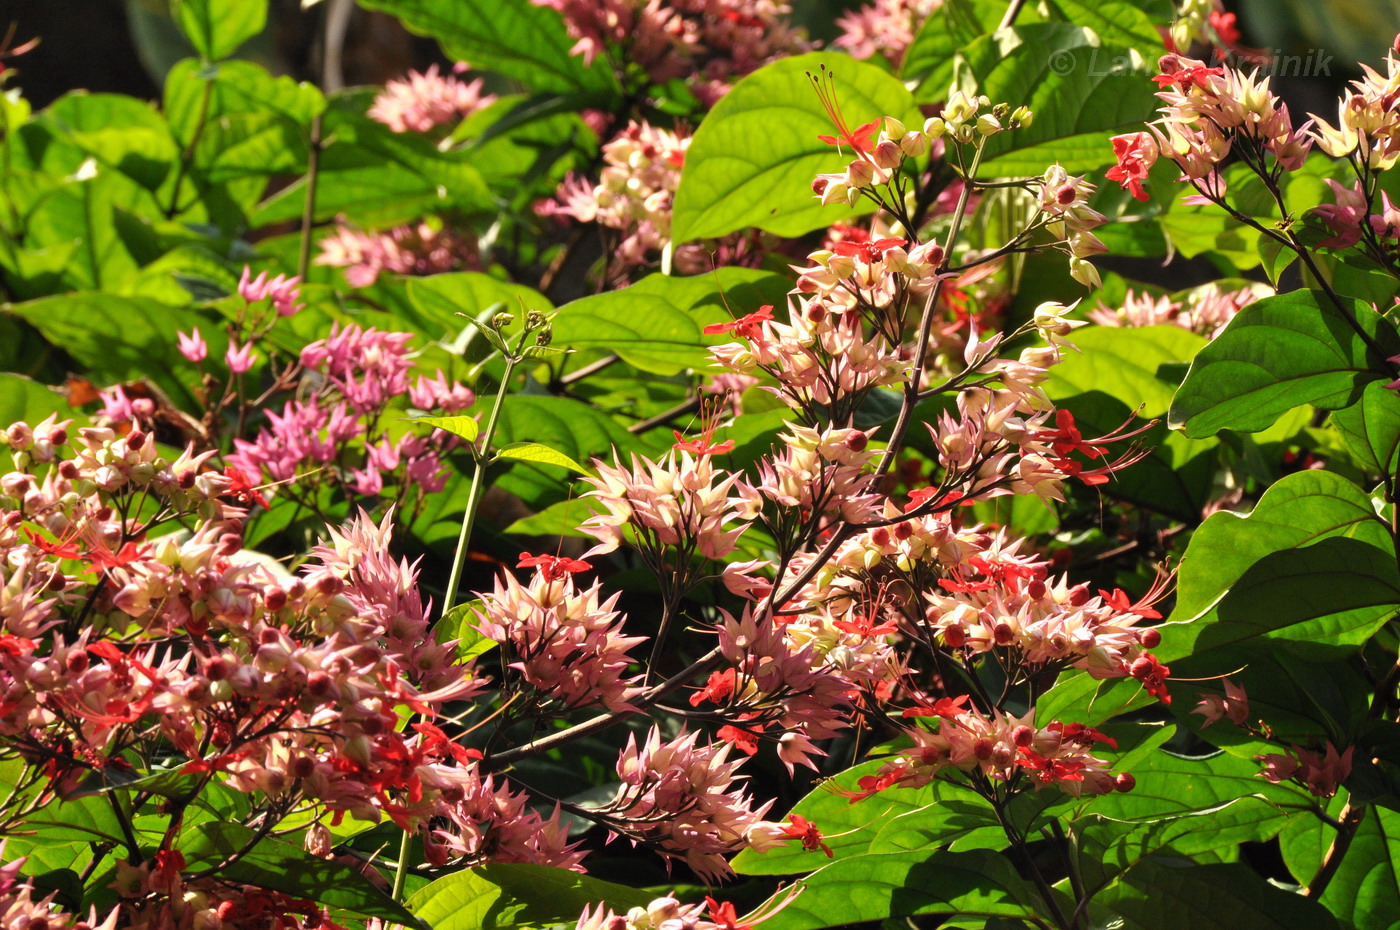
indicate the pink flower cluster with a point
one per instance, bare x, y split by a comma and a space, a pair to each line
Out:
1208, 112
567, 644
337, 425
1000, 748
885, 27
423, 101
1368, 123
418, 249
1204, 310
709, 42
685, 799
1319, 772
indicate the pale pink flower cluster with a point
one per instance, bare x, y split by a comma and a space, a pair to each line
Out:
1063, 201
885, 27
1204, 310
781, 683
708, 42
335, 425
820, 472
681, 501
416, 249
1368, 121
420, 102
668, 913
687, 801
1000, 747
565, 643
641, 171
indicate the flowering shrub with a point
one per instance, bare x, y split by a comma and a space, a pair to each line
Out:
683, 454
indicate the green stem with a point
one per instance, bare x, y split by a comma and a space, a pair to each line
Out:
187, 156
459, 558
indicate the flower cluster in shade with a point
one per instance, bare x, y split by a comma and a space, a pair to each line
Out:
414, 249
885, 27
422, 101
709, 43
337, 426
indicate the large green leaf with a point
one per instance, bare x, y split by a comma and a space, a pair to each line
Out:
1280, 353
505, 895
928, 62
1119, 367
30, 401
937, 814
975, 883
514, 38
1077, 86
753, 158
1365, 891
290, 869
118, 131
656, 324
1117, 22
1300, 509
1371, 428
1157, 896
217, 27
119, 338
376, 175
1323, 600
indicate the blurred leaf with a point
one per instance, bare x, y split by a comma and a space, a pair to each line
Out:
30, 401
216, 28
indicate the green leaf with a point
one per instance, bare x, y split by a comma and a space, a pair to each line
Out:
30, 401
290, 869
1156, 896
216, 28
753, 158
1118, 366
504, 895
465, 427
1077, 87
1323, 601
515, 38
1371, 428
953, 26
119, 338
1116, 22
1280, 353
1365, 891
458, 625
1300, 509
376, 175
895, 820
976, 883
120, 132
1275, 258
540, 453
561, 519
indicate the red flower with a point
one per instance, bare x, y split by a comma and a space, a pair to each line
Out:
807, 832
242, 490
749, 326
553, 567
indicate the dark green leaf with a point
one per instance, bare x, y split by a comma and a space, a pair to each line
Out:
290, 869
976, 883
1277, 354
753, 158
1077, 86
514, 38
1371, 428
1299, 510
1219, 897
1365, 891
